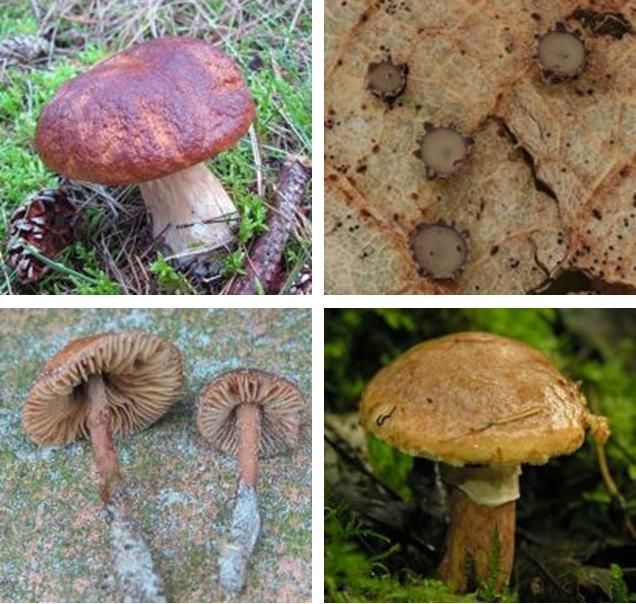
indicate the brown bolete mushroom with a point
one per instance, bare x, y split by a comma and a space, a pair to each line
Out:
153, 114
248, 413
481, 405
93, 388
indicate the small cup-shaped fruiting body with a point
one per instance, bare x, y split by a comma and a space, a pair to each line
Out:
561, 54
439, 250
443, 149
386, 79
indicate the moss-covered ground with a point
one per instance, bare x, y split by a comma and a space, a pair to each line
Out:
54, 543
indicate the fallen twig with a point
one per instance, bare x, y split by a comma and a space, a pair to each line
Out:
266, 254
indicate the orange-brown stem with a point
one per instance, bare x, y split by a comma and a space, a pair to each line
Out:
480, 541
248, 420
99, 424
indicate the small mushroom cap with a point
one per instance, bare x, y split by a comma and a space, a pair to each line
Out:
386, 79
280, 402
439, 250
561, 53
443, 150
147, 112
143, 377
476, 398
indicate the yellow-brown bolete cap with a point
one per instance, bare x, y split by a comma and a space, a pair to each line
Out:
151, 114
482, 405
142, 375
477, 398
278, 400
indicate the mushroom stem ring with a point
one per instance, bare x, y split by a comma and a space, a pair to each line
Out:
133, 563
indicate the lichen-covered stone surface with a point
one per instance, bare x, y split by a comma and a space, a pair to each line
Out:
550, 185
54, 542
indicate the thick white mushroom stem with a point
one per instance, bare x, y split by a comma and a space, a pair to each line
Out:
190, 210
246, 520
481, 537
133, 563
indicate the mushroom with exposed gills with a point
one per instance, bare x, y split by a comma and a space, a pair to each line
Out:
248, 413
152, 114
481, 405
97, 386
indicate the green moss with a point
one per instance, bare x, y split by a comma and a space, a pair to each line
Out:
390, 465
21, 171
15, 18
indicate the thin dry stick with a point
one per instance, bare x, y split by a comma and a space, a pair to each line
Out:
267, 252
610, 485
258, 164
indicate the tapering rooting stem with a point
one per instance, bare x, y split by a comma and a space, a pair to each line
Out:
133, 563
246, 520
479, 545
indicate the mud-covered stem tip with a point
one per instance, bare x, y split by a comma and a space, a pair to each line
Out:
245, 516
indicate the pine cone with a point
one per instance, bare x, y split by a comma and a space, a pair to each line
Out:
22, 48
47, 221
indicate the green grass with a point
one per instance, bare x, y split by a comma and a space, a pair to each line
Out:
271, 42
14, 19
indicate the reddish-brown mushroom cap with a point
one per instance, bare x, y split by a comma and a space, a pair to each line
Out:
147, 112
143, 377
279, 401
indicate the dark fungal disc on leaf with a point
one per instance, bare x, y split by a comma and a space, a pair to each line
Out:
443, 149
385, 79
561, 54
439, 250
